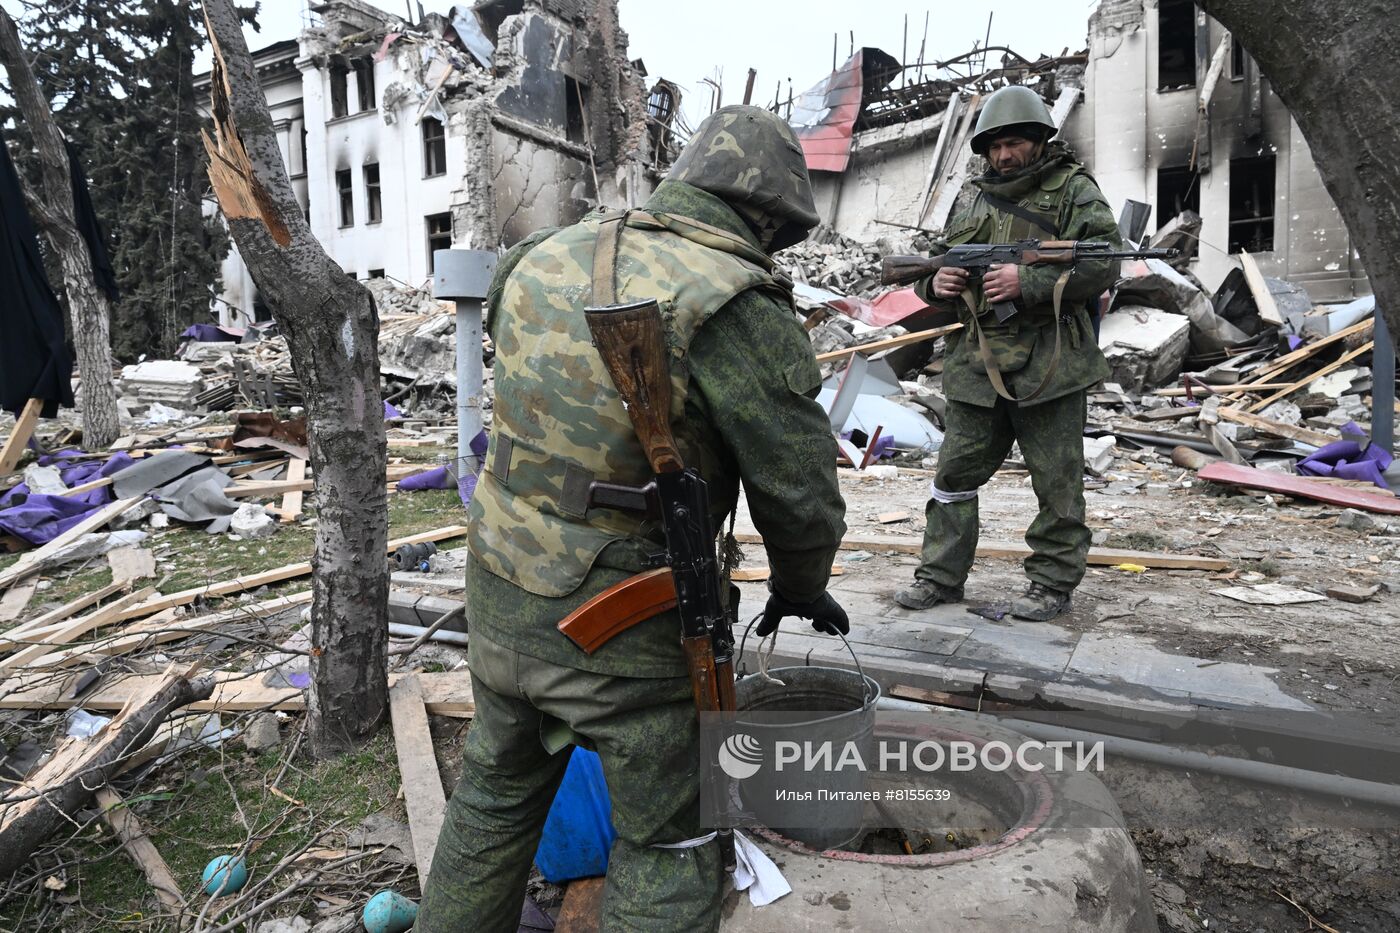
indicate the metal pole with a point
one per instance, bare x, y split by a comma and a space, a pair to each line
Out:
463, 276
1383, 387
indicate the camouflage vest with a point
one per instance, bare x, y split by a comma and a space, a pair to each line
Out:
558, 424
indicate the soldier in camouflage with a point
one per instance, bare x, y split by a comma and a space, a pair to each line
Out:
1046, 357
744, 383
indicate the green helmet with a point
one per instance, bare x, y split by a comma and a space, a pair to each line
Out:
1012, 106
750, 157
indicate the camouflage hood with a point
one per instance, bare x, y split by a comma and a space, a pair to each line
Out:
751, 159
1017, 185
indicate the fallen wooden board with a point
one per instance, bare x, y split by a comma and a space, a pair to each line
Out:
1099, 556
139, 846
1263, 299
1291, 431
582, 910
16, 599
19, 437
889, 343
156, 630
1353, 594
87, 487
291, 502
1234, 475
32, 561
74, 629
422, 785
277, 487
276, 575
445, 694
54, 616
1330, 367
1289, 360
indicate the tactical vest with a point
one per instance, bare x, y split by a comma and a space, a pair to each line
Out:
558, 423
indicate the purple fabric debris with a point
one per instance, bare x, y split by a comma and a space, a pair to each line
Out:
40, 519
466, 483
1294, 341
435, 478
1347, 459
208, 333
391, 412
884, 445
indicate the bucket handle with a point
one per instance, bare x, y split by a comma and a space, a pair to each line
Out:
743, 672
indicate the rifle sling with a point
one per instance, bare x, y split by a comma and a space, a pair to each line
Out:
993, 373
1016, 210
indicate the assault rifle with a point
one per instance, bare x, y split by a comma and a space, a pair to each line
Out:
978, 257
630, 339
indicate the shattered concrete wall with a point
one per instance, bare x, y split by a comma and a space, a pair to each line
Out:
1128, 130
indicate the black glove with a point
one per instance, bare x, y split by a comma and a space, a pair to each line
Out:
826, 614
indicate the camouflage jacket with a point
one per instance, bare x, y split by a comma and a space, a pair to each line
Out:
743, 382
1068, 205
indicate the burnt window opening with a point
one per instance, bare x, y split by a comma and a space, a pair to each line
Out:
364, 83
374, 209
303, 146
376, 273
1252, 205
347, 197
439, 234
1176, 44
575, 109
1178, 189
1237, 65
434, 147
339, 80
661, 105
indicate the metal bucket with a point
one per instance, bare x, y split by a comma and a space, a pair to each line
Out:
847, 698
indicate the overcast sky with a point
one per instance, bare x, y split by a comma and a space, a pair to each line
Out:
785, 39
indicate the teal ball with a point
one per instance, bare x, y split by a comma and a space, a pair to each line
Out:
389, 912
225, 875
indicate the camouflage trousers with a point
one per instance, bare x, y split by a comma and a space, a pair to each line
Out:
975, 444
529, 714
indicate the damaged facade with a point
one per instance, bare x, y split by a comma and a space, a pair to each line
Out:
1142, 107
469, 130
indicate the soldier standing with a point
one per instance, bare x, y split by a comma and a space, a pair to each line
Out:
1026, 380
744, 383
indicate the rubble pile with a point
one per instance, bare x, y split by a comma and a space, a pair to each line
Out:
829, 260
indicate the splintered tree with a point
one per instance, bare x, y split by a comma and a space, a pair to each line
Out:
331, 328
53, 210
1330, 63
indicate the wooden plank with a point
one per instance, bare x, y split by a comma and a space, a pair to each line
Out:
422, 785
1289, 360
950, 182
19, 437
158, 630
271, 488
1099, 556
1263, 299
139, 846
951, 113
276, 575
291, 502
889, 343
31, 561
444, 694
54, 616
1289, 390
1236, 388
87, 487
16, 599
582, 910
75, 629
1288, 485
1268, 425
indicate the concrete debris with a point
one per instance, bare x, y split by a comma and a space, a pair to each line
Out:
1098, 454
829, 260
1357, 520
44, 480
262, 732
1145, 347
252, 521
169, 381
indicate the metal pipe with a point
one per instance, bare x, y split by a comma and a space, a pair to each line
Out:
416, 631
1334, 785
1383, 387
468, 382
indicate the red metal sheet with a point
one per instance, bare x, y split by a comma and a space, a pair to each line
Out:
1236, 475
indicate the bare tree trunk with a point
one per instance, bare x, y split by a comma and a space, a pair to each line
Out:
332, 330
1332, 65
90, 320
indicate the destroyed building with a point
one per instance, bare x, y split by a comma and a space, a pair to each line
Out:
1161, 107
469, 130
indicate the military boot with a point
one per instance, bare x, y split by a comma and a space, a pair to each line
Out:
1039, 603
925, 595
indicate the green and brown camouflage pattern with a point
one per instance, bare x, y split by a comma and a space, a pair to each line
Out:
750, 156
976, 442
1059, 190
556, 402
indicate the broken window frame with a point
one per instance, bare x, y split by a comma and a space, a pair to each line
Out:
339, 76
374, 202
1176, 21
575, 111
1238, 63
364, 83
344, 187
1262, 218
375, 274
1189, 186
434, 136
439, 238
